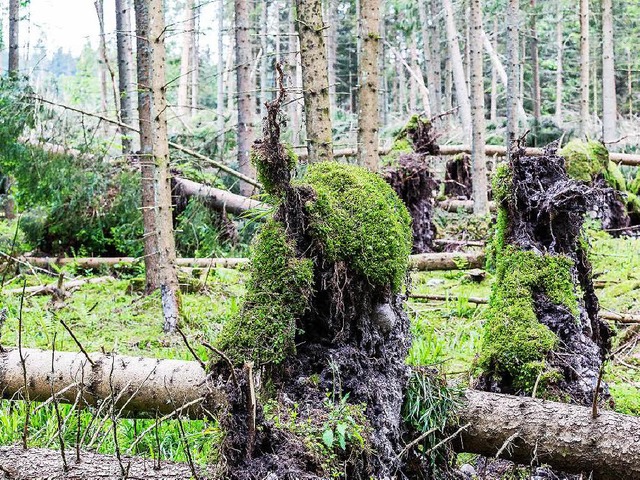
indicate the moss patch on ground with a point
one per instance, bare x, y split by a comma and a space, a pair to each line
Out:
585, 160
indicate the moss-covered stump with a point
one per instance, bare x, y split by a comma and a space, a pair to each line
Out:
542, 332
322, 327
410, 177
589, 162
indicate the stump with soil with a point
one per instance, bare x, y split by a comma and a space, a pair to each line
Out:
412, 180
542, 335
319, 347
457, 177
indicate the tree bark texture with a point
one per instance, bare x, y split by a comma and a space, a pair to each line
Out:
243, 92
14, 37
535, 63
222, 200
513, 70
220, 104
315, 80
609, 102
564, 436
459, 76
186, 63
124, 44
584, 67
493, 115
429, 64
102, 57
478, 162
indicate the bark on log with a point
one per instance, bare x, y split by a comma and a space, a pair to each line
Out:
564, 436
606, 315
46, 289
140, 385
220, 199
421, 262
20, 464
464, 205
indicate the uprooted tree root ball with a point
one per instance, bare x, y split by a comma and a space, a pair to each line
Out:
542, 334
322, 328
411, 178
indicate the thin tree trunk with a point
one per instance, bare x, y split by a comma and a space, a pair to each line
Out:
14, 38
513, 72
368, 81
479, 165
629, 82
315, 80
436, 59
494, 77
160, 253
124, 34
609, 101
295, 111
220, 103
332, 52
243, 93
459, 76
264, 59
584, 67
448, 84
535, 63
413, 84
427, 50
186, 67
195, 62
102, 57
559, 65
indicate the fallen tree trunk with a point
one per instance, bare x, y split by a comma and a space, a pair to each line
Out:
564, 436
20, 464
421, 262
561, 435
217, 198
51, 288
606, 315
464, 205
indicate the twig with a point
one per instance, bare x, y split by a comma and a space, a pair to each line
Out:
186, 342
3, 318
415, 442
594, 405
78, 343
450, 437
507, 442
233, 372
65, 467
183, 437
25, 431
251, 409
535, 386
114, 422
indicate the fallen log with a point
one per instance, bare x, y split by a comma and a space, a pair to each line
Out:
564, 436
51, 288
421, 262
604, 314
20, 464
218, 198
522, 429
451, 205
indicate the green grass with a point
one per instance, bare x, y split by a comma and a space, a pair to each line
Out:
446, 335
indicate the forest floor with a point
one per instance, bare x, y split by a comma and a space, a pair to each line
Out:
111, 317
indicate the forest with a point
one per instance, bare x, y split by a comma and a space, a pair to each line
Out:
320, 239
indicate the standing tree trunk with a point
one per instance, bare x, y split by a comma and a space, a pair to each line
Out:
332, 52
14, 37
584, 67
427, 49
160, 253
220, 104
295, 110
609, 104
559, 66
459, 77
413, 84
478, 162
535, 66
125, 73
494, 77
264, 64
315, 80
244, 87
195, 62
102, 57
435, 66
186, 65
513, 72
368, 83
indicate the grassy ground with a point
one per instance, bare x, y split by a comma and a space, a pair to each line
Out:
109, 316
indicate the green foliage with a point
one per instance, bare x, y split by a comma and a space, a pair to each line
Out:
278, 293
514, 342
359, 219
333, 436
429, 408
196, 232
585, 160
627, 399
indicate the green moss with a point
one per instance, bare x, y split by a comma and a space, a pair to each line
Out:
585, 160
514, 342
501, 183
360, 220
614, 177
627, 399
633, 202
268, 177
634, 186
402, 143
278, 293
